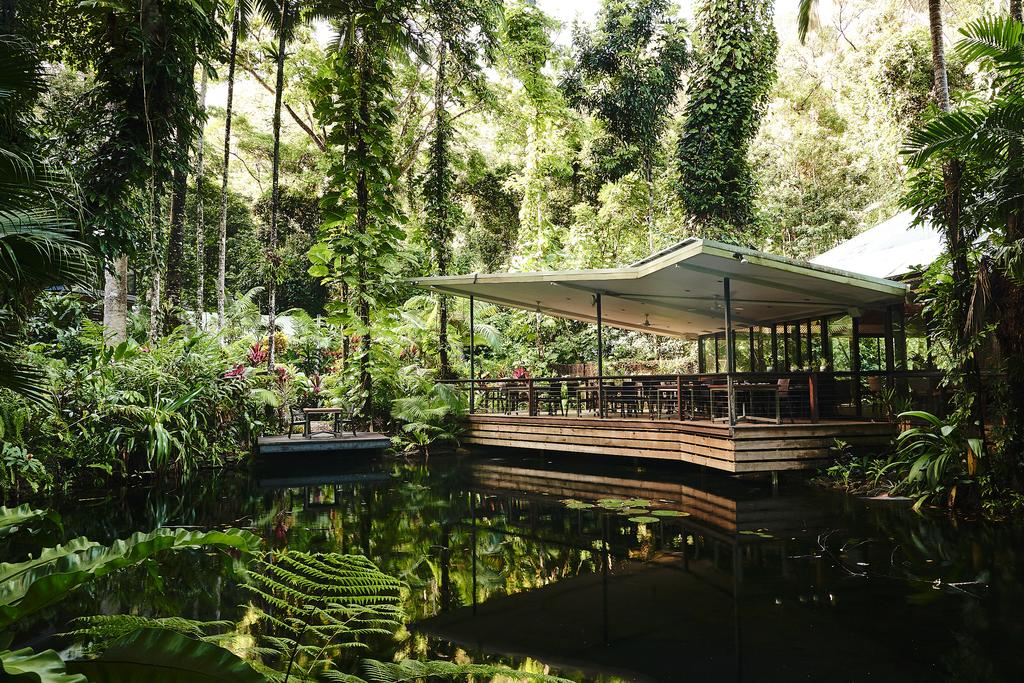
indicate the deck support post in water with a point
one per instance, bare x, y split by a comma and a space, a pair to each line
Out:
472, 357
730, 353
600, 358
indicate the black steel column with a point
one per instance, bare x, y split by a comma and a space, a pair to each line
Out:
855, 364
775, 348
826, 343
730, 351
472, 357
600, 359
701, 365
890, 353
750, 343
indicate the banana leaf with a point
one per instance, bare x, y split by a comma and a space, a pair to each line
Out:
26, 587
26, 666
156, 655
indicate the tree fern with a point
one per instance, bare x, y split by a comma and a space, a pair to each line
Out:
412, 670
313, 607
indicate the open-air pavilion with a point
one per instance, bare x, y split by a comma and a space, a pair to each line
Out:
792, 356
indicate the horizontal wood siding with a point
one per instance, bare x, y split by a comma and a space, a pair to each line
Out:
751, 448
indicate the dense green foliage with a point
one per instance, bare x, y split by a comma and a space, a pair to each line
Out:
728, 92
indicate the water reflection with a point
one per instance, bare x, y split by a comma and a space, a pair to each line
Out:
752, 584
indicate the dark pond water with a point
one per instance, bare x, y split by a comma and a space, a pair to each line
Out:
751, 584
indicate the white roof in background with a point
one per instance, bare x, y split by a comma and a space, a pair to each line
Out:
890, 249
679, 291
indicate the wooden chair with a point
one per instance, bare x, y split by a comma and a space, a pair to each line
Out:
786, 398
295, 417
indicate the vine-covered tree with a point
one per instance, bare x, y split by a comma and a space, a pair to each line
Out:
464, 34
627, 72
733, 72
145, 81
362, 220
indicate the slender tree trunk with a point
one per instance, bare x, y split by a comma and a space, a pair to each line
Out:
156, 245
649, 179
222, 237
176, 236
956, 242
115, 300
440, 217
200, 218
275, 192
362, 226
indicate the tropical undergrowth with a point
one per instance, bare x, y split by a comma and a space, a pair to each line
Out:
932, 462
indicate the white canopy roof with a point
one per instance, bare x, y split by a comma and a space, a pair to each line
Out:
890, 249
679, 291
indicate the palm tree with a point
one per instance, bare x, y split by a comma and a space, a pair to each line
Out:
988, 137
38, 249
284, 27
222, 238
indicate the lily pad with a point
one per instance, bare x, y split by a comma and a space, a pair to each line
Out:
576, 504
670, 513
632, 511
644, 519
760, 533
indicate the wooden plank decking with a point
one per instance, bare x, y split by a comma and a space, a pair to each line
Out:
322, 443
749, 448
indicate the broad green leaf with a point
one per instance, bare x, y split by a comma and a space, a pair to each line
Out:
11, 519
644, 519
669, 513
26, 587
159, 656
26, 666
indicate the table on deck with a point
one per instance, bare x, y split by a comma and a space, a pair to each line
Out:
750, 388
336, 412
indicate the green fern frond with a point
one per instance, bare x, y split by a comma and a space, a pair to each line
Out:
312, 607
412, 670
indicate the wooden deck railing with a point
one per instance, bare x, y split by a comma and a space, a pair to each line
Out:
728, 397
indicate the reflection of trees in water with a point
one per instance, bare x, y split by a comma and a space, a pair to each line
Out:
423, 526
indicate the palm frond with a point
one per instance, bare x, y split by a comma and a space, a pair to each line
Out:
995, 38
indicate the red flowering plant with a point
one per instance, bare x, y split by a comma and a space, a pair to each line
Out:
520, 373
257, 354
238, 371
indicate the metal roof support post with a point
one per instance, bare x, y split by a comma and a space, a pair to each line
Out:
855, 363
600, 359
890, 351
730, 353
472, 357
775, 348
750, 344
701, 365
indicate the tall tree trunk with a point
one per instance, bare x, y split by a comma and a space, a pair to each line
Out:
115, 300
956, 242
176, 236
362, 226
440, 207
275, 191
649, 179
200, 219
156, 258
222, 237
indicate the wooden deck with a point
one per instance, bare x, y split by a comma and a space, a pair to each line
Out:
747, 447
322, 443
